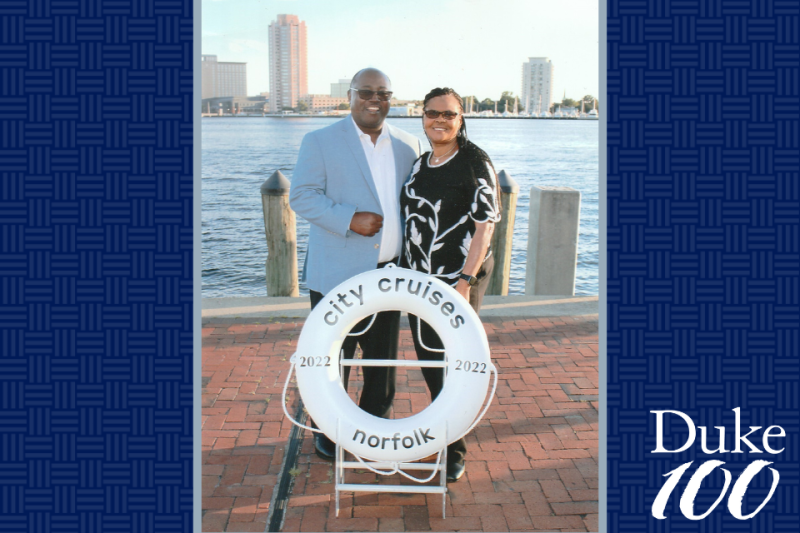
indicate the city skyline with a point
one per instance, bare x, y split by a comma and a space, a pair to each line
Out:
474, 46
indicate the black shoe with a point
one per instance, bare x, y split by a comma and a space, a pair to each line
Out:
324, 446
455, 470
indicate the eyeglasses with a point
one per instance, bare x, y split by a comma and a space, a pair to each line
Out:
448, 115
366, 94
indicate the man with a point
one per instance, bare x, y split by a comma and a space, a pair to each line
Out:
347, 185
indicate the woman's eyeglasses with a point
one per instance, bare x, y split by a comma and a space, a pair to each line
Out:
448, 115
366, 94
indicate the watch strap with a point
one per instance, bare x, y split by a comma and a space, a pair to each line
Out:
472, 280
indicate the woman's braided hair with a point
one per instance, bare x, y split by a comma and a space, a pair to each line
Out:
470, 150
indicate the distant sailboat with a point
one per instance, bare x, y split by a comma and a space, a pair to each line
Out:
542, 114
593, 113
506, 112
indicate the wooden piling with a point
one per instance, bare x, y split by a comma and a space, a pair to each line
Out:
281, 232
503, 235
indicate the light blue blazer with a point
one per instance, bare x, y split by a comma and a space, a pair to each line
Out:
332, 181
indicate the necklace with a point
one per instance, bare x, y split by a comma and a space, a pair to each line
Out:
436, 159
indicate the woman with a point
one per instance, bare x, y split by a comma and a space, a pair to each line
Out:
450, 204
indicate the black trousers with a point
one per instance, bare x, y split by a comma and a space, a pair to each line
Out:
434, 377
378, 342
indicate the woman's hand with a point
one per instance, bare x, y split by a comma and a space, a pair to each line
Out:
476, 255
462, 288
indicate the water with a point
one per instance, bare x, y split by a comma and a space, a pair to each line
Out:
240, 153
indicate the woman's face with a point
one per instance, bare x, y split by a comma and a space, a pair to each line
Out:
440, 130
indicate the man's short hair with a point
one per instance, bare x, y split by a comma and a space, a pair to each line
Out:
357, 74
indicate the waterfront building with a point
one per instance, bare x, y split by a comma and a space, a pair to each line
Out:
321, 102
401, 110
537, 84
223, 78
234, 105
288, 63
339, 89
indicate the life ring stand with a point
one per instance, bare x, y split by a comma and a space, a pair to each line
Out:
467, 365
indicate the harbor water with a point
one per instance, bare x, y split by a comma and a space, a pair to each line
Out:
239, 153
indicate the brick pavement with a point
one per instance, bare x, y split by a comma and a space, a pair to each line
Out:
531, 465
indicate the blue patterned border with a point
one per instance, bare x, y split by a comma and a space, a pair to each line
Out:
96, 167
703, 300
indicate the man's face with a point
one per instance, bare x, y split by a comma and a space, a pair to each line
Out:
369, 114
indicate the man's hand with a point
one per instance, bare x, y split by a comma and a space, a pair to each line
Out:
366, 223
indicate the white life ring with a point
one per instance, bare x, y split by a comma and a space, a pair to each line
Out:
469, 365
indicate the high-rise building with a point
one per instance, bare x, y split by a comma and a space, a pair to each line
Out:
288, 65
223, 78
339, 89
537, 84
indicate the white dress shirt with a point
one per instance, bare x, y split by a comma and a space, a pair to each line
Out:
380, 157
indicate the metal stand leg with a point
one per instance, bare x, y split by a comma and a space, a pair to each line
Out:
338, 470
443, 473
443, 481
338, 474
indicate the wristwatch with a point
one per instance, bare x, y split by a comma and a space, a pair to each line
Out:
472, 280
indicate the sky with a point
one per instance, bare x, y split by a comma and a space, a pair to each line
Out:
477, 47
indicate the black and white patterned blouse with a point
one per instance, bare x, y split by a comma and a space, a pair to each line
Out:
441, 205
